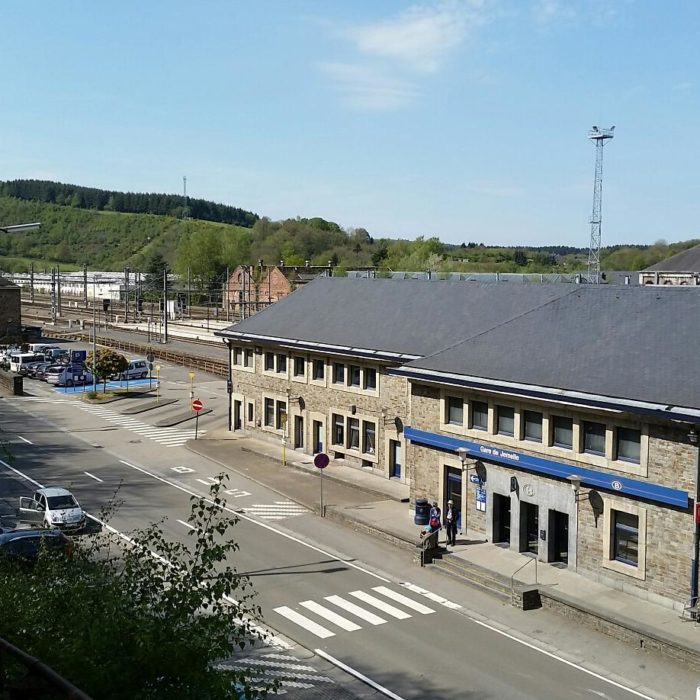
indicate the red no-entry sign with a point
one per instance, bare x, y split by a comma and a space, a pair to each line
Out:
197, 405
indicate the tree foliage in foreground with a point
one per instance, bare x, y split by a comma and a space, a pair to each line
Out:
146, 619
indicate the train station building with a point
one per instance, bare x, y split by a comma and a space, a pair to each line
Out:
561, 420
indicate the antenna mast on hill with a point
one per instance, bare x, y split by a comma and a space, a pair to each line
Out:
599, 137
185, 208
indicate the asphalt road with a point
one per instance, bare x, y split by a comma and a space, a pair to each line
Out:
412, 644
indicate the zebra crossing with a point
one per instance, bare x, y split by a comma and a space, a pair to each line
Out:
168, 437
279, 510
292, 674
373, 607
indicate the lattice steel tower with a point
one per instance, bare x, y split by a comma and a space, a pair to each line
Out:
599, 137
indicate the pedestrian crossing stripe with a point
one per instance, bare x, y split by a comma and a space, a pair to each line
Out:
166, 436
275, 511
376, 599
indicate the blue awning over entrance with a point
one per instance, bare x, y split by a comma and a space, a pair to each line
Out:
589, 477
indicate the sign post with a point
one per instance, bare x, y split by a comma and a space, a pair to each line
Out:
321, 461
150, 357
284, 440
157, 383
191, 378
197, 406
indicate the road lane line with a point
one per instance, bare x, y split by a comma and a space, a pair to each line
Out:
302, 621
331, 616
29, 442
259, 523
356, 610
92, 476
404, 600
358, 675
187, 525
380, 605
431, 596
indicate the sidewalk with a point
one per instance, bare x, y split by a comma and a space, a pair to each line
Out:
379, 507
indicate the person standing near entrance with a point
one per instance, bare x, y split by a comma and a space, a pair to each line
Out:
451, 523
434, 521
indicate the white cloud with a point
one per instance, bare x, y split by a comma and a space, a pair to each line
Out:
420, 37
391, 56
364, 87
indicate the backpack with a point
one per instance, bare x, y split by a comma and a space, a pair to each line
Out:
434, 522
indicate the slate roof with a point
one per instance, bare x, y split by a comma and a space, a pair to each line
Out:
685, 261
412, 317
637, 343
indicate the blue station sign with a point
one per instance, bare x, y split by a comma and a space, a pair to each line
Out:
589, 477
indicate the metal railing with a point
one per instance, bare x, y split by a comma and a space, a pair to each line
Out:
518, 570
37, 679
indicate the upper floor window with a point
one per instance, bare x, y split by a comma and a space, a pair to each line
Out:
281, 363
627, 444
532, 426
318, 372
454, 410
269, 361
299, 366
237, 356
505, 420
370, 378
248, 354
480, 415
594, 438
562, 432
354, 374
338, 373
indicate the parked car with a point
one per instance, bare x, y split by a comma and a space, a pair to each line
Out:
23, 546
52, 506
17, 361
137, 369
39, 371
68, 375
27, 369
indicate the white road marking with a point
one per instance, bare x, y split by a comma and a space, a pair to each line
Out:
357, 674
380, 605
237, 493
92, 476
431, 596
208, 481
182, 470
404, 600
243, 516
304, 622
356, 610
29, 442
187, 525
331, 616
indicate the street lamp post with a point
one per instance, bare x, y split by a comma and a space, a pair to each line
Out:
693, 439
94, 339
463, 453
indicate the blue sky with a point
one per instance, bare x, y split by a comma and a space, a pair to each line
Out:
465, 120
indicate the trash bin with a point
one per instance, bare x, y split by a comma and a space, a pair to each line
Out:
422, 511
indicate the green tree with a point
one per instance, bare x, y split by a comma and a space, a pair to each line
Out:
145, 620
106, 365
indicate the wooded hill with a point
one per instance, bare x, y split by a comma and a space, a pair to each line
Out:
106, 240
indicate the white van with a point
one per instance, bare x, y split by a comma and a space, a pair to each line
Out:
24, 358
41, 347
137, 369
71, 375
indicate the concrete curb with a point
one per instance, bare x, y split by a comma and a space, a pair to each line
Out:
149, 406
180, 418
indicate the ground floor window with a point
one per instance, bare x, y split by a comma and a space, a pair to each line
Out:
625, 537
338, 433
269, 412
353, 434
368, 437
281, 416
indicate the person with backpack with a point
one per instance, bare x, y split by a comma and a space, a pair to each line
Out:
434, 518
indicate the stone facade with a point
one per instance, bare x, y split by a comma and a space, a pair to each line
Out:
312, 405
10, 312
542, 510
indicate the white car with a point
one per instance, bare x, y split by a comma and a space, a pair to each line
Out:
70, 375
52, 507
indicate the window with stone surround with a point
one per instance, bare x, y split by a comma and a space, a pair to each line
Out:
593, 437
318, 370
354, 376
338, 373
532, 426
369, 432
299, 366
269, 412
353, 434
479, 415
370, 379
269, 361
281, 415
281, 363
562, 432
624, 544
628, 445
454, 410
505, 420
338, 429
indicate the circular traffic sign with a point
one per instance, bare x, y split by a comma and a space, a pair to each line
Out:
150, 357
321, 460
197, 405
